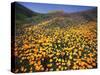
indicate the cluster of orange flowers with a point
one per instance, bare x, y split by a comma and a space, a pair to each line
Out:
39, 48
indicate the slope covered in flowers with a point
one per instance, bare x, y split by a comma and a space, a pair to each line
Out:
54, 45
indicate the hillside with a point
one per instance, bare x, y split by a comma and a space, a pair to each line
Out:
22, 11
23, 14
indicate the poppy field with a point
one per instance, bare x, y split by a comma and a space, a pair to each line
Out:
56, 44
